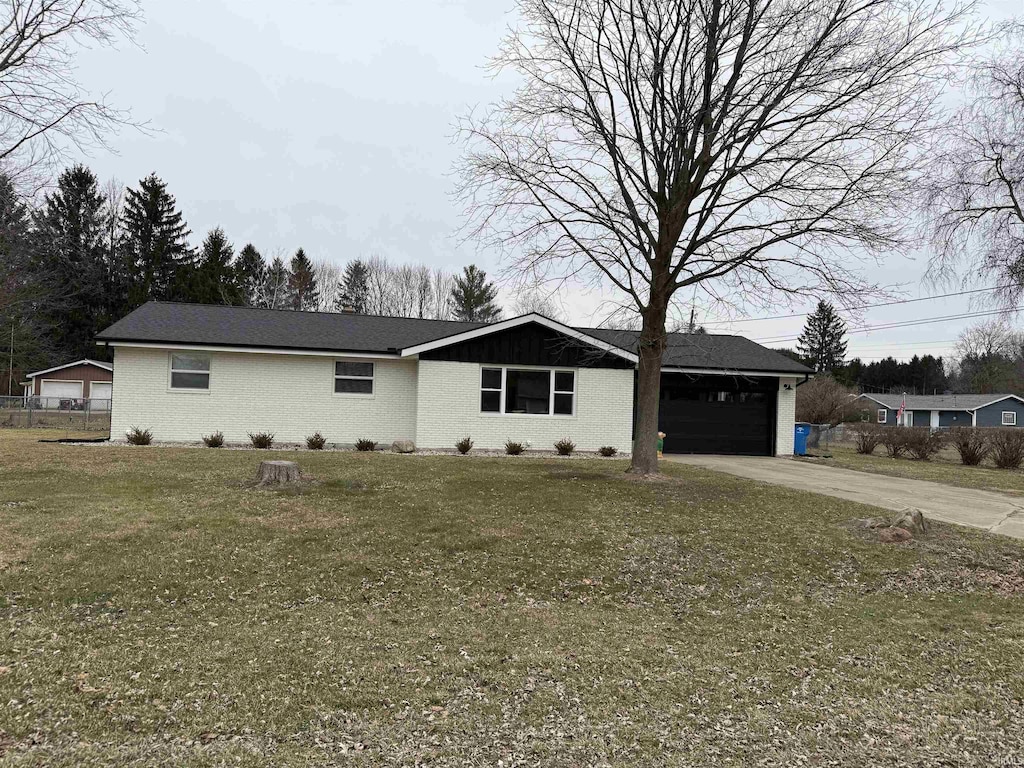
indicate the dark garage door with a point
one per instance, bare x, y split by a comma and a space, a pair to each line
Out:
718, 414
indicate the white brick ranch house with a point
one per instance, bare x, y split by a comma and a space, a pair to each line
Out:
185, 370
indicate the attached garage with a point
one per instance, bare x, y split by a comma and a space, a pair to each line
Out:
718, 414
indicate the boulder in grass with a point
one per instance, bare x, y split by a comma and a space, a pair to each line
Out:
911, 520
403, 446
894, 535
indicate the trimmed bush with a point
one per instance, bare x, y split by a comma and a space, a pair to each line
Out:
362, 444
262, 439
512, 448
867, 437
136, 436
216, 440
316, 442
921, 442
607, 450
464, 445
565, 447
972, 445
895, 441
1007, 447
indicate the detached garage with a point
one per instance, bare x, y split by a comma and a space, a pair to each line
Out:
80, 380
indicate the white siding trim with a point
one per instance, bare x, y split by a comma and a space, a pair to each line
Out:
254, 350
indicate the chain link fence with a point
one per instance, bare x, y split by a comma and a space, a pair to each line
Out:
77, 413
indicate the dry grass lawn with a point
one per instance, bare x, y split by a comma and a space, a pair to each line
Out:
944, 467
450, 611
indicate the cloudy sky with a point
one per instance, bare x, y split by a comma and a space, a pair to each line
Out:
328, 124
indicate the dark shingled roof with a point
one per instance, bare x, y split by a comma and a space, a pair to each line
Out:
214, 325
706, 350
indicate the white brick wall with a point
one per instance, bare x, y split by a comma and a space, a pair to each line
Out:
289, 395
785, 417
448, 408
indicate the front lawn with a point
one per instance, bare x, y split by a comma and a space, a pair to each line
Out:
451, 611
944, 467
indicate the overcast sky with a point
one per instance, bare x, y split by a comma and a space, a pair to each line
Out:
328, 124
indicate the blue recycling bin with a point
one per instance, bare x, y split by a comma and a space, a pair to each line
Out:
800, 434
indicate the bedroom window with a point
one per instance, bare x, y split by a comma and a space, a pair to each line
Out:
527, 391
883, 414
353, 378
190, 370
1009, 418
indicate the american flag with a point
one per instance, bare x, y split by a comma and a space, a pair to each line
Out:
903, 407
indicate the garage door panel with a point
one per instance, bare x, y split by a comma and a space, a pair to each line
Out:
715, 421
65, 389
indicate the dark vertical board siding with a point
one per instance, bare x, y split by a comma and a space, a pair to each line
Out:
528, 345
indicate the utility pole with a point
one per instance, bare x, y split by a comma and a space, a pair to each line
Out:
10, 364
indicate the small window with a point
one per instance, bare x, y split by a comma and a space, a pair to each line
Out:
883, 414
1009, 418
190, 370
490, 390
353, 378
565, 392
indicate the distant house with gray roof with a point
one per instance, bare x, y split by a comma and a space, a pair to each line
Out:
937, 411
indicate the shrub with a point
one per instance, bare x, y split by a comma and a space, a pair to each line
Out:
316, 442
895, 441
216, 440
261, 439
362, 444
565, 447
607, 450
464, 445
972, 445
1007, 447
922, 442
867, 437
136, 436
512, 448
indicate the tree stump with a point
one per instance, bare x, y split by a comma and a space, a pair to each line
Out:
278, 473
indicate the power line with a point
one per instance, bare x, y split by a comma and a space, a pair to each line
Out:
901, 324
866, 306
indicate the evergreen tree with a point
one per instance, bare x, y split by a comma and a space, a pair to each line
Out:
154, 242
473, 297
71, 252
214, 280
823, 341
251, 277
276, 291
302, 287
22, 289
354, 287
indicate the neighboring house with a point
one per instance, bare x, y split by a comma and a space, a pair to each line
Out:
947, 410
80, 380
184, 370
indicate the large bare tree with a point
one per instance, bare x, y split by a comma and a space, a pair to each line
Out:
44, 109
743, 145
975, 192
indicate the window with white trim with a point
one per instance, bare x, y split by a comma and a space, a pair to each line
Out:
883, 414
1009, 418
528, 391
190, 370
353, 378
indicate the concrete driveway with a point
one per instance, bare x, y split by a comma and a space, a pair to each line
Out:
988, 510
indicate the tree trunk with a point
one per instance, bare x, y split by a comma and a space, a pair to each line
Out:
648, 388
278, 473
